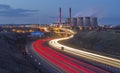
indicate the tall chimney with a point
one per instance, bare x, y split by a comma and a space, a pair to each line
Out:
70, 16
80, 21
94, 22
87, 21
60, 18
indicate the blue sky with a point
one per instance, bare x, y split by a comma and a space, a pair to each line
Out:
46, 11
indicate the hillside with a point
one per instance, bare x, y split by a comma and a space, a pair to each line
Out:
12, 57
96, 41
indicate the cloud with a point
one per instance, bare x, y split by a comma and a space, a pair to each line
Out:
92, 12
8, 11
4, 6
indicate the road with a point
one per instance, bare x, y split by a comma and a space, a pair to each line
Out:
60, 62
91, 56
46, 66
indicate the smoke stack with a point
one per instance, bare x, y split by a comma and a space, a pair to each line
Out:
80, 21
74, 21
60, 18
87, 21
94, 22
70, 16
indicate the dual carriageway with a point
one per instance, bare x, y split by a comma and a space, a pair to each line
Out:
57, 62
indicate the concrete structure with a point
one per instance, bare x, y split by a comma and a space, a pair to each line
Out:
87, 21
74, 21
94, 22
80, 21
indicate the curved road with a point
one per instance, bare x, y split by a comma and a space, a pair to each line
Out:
60, 62
91, 56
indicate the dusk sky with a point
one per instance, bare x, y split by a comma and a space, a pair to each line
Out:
46, 11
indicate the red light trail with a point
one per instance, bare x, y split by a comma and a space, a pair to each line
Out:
66, 63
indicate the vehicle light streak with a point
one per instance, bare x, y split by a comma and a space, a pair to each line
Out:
95, 57
68, 64
54, 61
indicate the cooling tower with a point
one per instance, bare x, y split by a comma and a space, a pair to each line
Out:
67, 20
80, 21
74, 21
94, 22
87, 21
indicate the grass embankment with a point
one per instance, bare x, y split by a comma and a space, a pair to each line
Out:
12, 55
102, 42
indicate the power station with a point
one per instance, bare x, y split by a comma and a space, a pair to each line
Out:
78, 21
